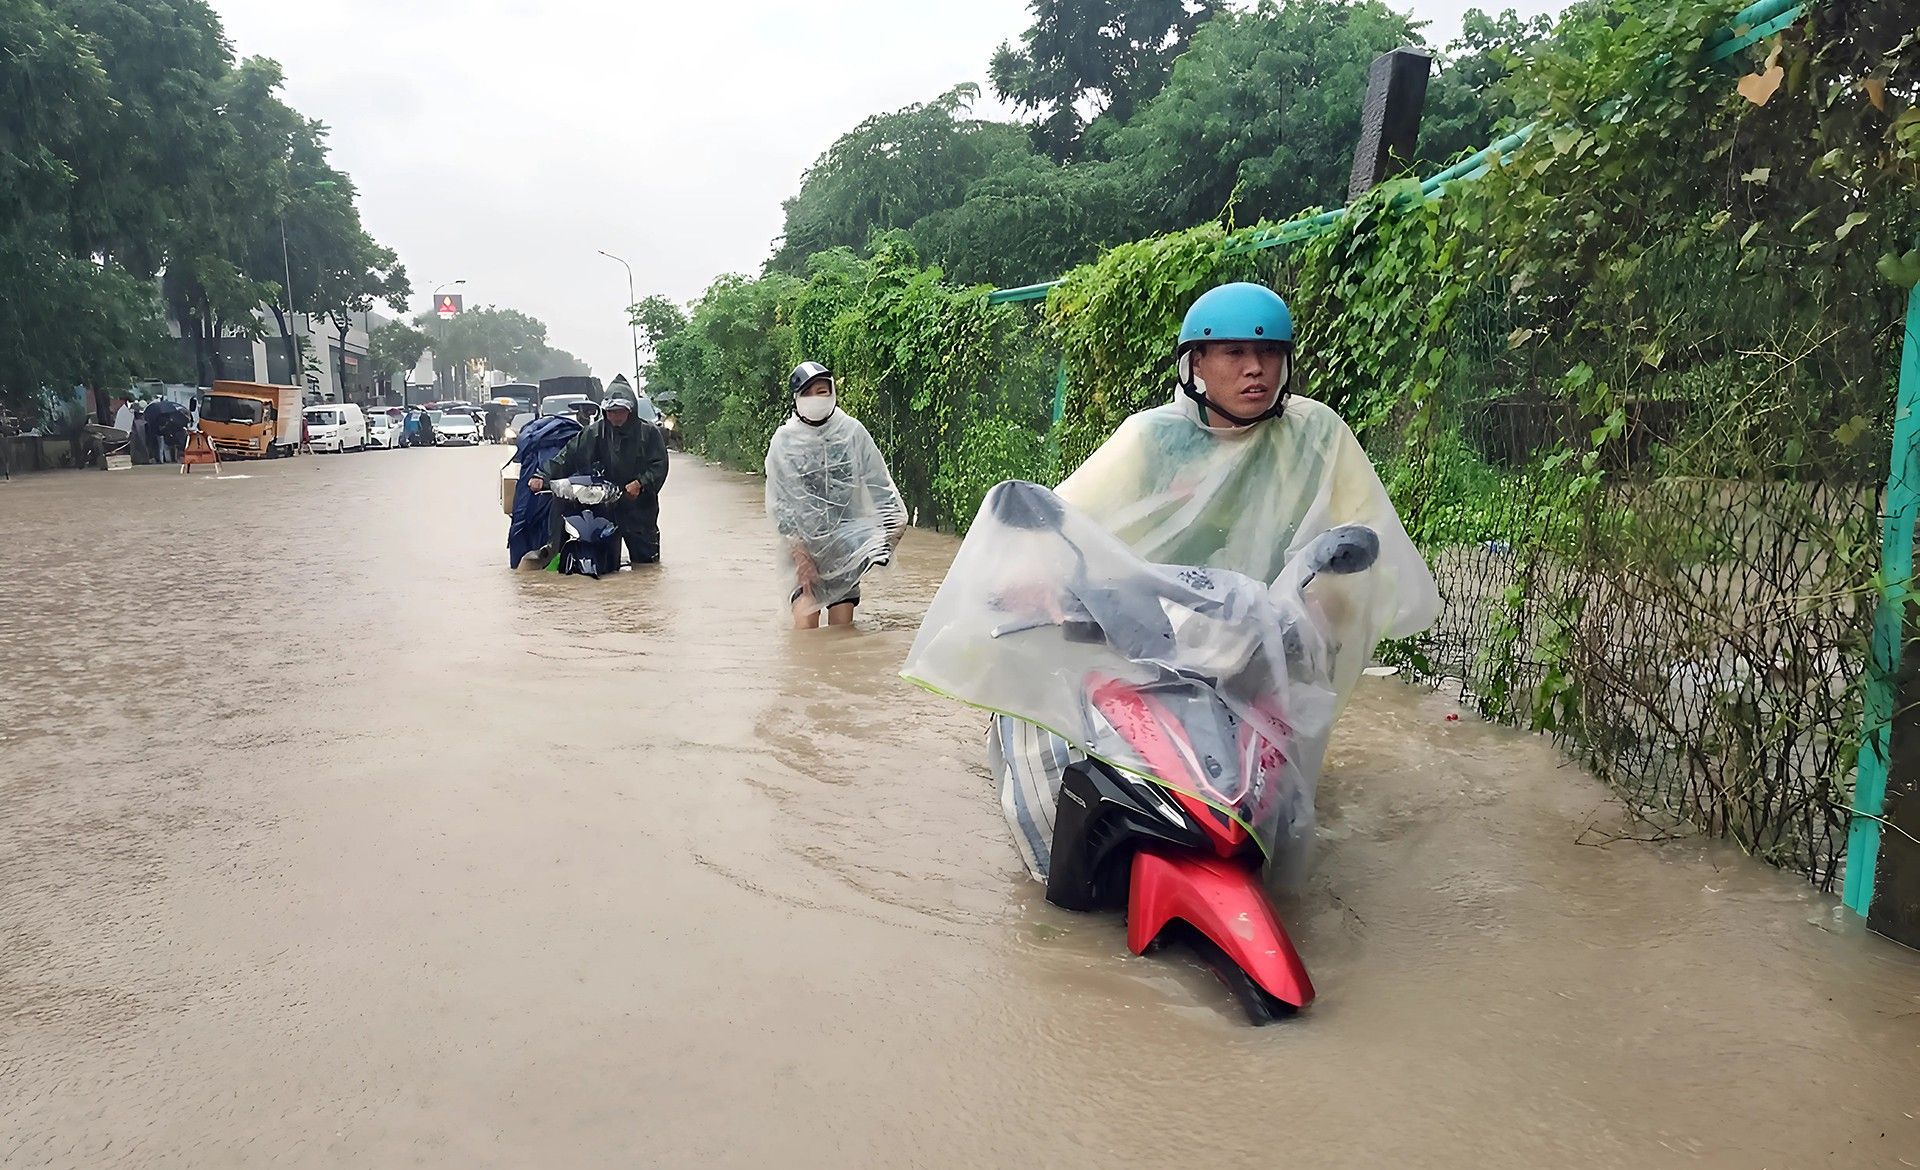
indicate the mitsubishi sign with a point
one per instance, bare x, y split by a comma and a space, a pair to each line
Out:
448, 305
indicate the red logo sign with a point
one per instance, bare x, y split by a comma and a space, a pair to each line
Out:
448, 306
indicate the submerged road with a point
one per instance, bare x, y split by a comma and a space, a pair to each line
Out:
326, 840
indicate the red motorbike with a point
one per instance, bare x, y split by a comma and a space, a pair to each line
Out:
1171, 843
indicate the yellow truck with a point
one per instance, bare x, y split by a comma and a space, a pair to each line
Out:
251, 420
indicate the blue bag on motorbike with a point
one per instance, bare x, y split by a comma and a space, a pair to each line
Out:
532, 522
592, 545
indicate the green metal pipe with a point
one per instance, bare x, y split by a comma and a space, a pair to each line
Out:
1027, 292
1753, 16
1719, 49
1889, 621
1478, 159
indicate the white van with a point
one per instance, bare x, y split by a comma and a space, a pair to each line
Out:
336, 426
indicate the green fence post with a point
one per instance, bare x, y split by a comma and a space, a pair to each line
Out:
1059, 393
1889, 619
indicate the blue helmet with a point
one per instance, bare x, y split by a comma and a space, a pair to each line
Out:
1236, 312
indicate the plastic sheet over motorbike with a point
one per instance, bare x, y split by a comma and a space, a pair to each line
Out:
1250, 500
1048, 617
831, 498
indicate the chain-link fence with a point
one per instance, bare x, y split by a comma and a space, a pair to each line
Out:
1668, 563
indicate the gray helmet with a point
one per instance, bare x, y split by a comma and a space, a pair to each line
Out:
806, 374
620, 395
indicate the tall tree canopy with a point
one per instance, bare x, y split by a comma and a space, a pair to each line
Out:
507, 340
1255, 117
890, 171
1082, 58
133, 145
1262, 112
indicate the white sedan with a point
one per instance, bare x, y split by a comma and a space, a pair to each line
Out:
453, 428
382, 432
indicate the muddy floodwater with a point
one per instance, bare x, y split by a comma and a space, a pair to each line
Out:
326, 840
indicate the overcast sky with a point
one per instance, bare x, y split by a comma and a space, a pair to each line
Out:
503, 141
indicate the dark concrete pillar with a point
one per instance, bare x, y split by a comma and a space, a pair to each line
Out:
1390, 119
1896, 887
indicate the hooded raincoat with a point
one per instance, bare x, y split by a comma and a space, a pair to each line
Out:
635, 452
834, 504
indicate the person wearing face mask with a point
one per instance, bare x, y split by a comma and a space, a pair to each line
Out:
625, 449
832, 501
1236, 472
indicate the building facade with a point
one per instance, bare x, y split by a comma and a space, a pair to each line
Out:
337, 369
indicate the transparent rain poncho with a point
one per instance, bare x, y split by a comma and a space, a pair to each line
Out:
834, 505
1188, 556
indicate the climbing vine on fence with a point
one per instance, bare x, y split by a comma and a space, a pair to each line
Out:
1631, 391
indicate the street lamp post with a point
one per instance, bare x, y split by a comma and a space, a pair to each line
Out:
445, 324
297, 375
633, 329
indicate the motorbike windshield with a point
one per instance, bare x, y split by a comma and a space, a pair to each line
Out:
1207, 680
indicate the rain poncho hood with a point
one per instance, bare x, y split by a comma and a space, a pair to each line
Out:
1200, 559
834, 505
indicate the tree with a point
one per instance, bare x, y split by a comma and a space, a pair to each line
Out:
313, 237
1030, 221
507, 340
1261, 113
373, 273
726, 369
659, 321
890, 171
134, 146
1466, 101
1099, 56
66, 317
395, 348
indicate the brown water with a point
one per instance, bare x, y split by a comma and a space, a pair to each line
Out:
325, 840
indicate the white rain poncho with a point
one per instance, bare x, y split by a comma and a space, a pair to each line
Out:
1115, 593
834, 505
1249, 500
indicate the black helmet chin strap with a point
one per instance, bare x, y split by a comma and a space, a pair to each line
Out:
1191, 386
1201, 401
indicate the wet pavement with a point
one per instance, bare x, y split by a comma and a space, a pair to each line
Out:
326, 840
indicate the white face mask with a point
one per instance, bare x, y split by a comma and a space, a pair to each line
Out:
814, 407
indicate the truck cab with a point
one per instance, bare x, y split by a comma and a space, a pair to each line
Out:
251, 420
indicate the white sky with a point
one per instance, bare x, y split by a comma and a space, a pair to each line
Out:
503, 141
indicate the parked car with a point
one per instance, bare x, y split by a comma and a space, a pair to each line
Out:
563, 403
336, 426
382, 432
454, 428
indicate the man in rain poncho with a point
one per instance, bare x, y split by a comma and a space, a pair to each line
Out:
832, 500
1235, 473
624, 449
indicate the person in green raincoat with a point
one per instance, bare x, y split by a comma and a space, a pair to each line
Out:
621, 448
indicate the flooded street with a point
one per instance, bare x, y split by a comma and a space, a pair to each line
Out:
326, 840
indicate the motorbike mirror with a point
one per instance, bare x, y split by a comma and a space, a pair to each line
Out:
1350, 548
1019, 504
